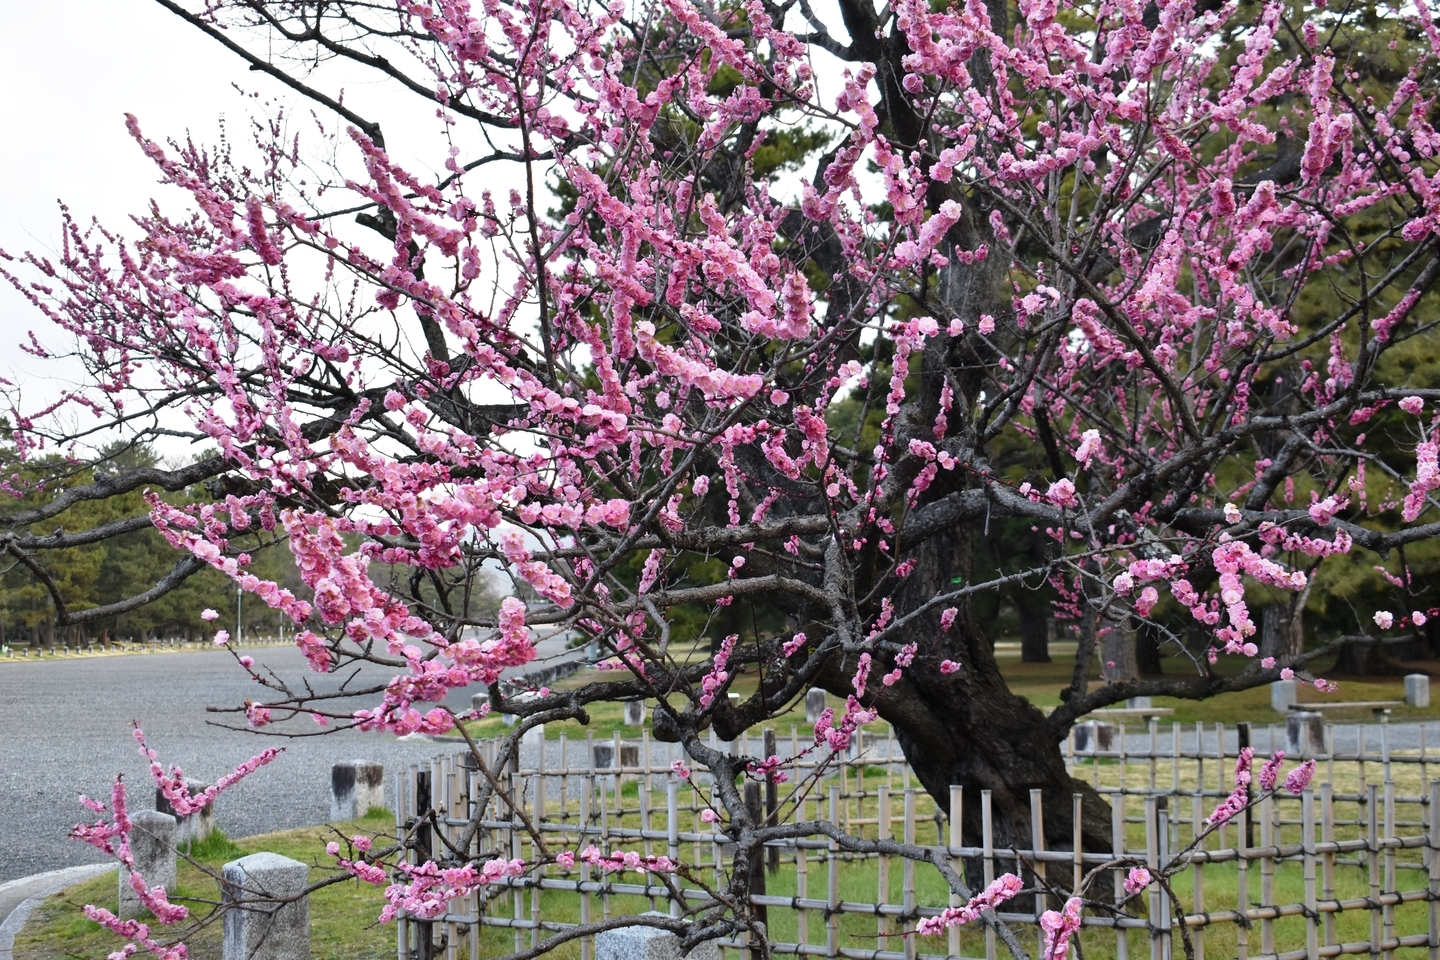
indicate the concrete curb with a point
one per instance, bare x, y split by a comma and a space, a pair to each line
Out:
39, 886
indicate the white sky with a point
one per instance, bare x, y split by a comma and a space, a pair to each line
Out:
71, 72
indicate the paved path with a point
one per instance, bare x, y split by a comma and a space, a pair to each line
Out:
67, 730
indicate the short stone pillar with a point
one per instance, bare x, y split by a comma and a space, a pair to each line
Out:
1093, 736
814, 704
1282, 694
479, 701
1138, 703
1417, 689
1304, 734
534, 737
356, 786
634, 713
262, 921
192, 827
648, 943
152, 844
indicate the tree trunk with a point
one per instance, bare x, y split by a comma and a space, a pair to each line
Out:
1034, 631
1274, 630
1147, 651
1117, 649
967, 729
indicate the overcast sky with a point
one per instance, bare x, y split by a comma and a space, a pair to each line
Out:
71, 72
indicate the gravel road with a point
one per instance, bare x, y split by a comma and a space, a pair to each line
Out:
67, 730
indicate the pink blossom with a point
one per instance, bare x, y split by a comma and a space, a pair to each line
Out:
1384, 619
1136, 880
1003, 888
209, 614
1270, 773
1062, 494
1412, 405
1418, 618
1299, 778
1059, 926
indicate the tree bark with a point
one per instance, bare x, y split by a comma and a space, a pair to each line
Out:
1147, 651
967, 729
1034, 631
1117, 649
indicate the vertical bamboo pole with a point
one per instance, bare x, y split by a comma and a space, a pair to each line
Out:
404, 790
1117, 846
1037, 846
538, 818
1267, 873
1307, 833
1432, 842
908, 867
1197, 867
1372, 851
1154, 750
672, 835
1152, 861
802, 892
1388, 913
1242, 890
1327, 859
587, 944
957, 840
882, 866
832, 879
987, 832
1077, 845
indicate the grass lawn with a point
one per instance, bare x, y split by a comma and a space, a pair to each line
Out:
1041, 684
342, 916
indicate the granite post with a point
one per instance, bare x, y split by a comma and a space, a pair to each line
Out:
1417, 689
356, 786
814, 704
648, 943
1282, 694
193, 827
152, 844
266, 918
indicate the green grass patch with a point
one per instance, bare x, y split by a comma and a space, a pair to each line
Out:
342, 916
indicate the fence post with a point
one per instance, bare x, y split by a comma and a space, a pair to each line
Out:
1117, 847
832, 894
587, 944
1312, 915
1197, 867
755, 869
1327, 859
672, 836
1037, 844
1391, 886
883, 831
772, 800
908, 894
1267, 872
1372, 848
1432, 842
1152, 861
988, 840
957, 840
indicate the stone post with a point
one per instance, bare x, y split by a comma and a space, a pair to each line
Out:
1417, 689
1304, 734
814, 704
1282, 694
634, 713
647, 943
355, 787
152, 844
193, 827
265, 916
